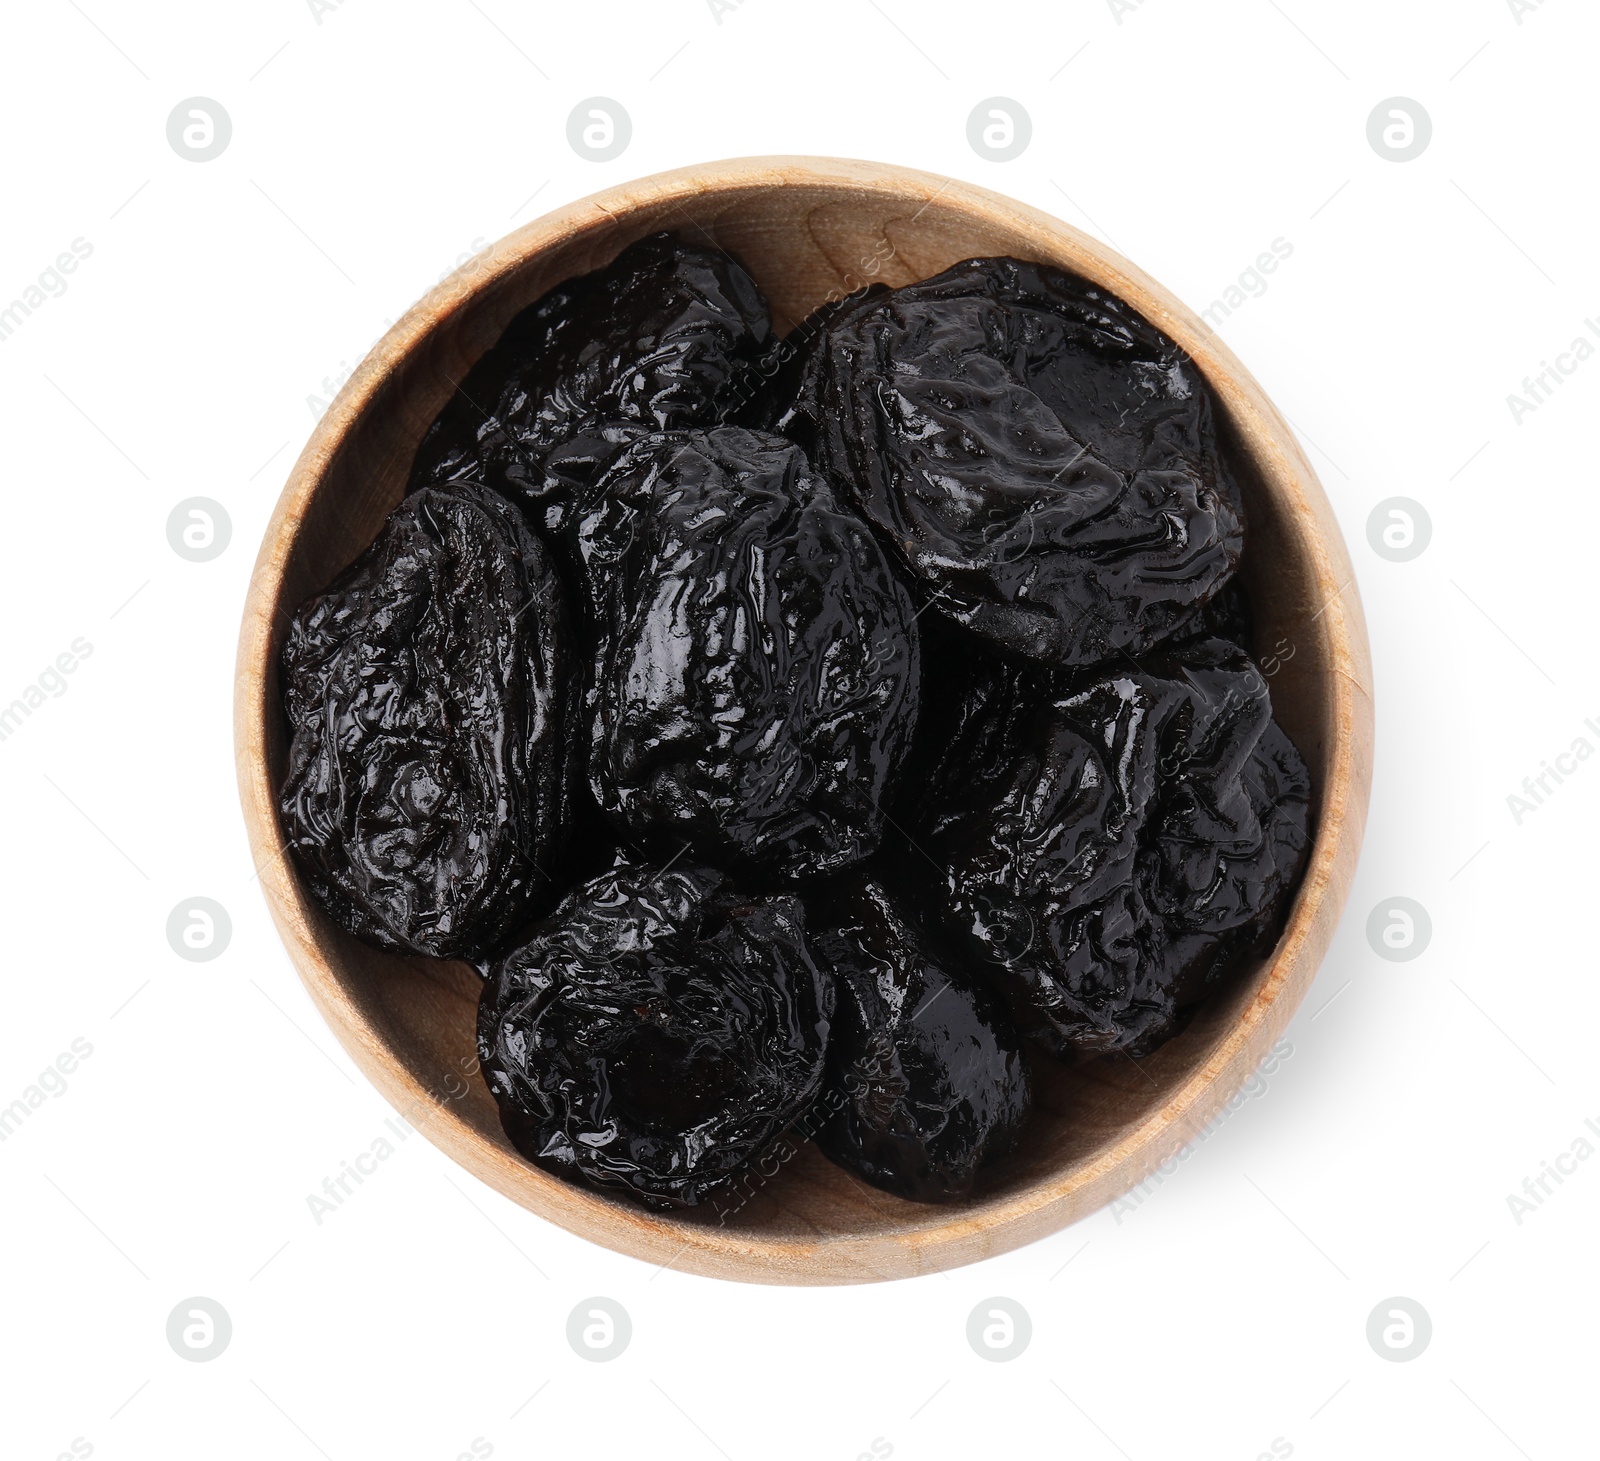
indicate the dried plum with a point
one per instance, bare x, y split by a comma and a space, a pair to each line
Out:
1039, 456
1227, 616
976, 709
431, 695
788, 360
657, 1033
756, 683
927, 1080
662, 338
1148, 834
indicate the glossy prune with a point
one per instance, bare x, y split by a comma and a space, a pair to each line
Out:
977, 707
432, 695
790, 359
1040, 457
1148, 833
756, 683
662, 338
927, 1079
1227, 616
657, 1033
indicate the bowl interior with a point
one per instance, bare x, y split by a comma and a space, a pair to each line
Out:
806, 236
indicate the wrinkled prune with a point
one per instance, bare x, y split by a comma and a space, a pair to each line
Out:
1148, 834
662, 338
1227, 616
432, 695
657, 1033
794, 354
756, 683
976, 709
927, 1080
1036, 453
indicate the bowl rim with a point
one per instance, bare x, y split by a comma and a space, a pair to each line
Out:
1042, 1206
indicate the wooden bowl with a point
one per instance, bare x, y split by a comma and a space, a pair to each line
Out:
808, 228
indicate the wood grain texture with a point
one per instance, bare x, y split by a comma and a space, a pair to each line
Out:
808, 229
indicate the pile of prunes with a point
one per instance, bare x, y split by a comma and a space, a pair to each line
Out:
791, 731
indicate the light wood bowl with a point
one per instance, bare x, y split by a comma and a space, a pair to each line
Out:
806, 228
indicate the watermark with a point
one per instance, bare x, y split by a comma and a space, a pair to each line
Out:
1119, 8
1536, 1189
1399, 1329
1252, 686
199, 930
199, 529
480, 1449
1537, 789
599, 129
466, 269
199, 129
1399, 129
1281, 1447
49, 684
1399, 930
336, 1190
461, 273
1252, 283
1520, 8
50, 284
331, 385
999, 129
856, 1080
608, 531
1006, 928
319, 8
599, 1329
82, 1447
1255, 1085
1537, 390
50, 1082
466, 263
199, 1329
753, 378
455, 1087
999, 1330
1399, 529
719, 8
881, 1449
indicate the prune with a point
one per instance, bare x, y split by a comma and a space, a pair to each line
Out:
1038, 455
756, 683
1148, 834
976, 709
794, 354
657, 1033
1227, 616
662, 338
927, 1080
432, 694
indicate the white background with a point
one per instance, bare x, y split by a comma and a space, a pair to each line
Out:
371, 152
